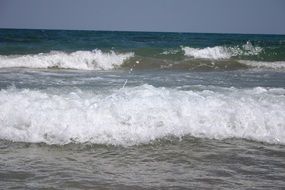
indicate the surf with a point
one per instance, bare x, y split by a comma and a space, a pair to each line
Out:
81, 60
222, 52
142, 114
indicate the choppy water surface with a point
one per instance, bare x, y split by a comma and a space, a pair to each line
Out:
119, 110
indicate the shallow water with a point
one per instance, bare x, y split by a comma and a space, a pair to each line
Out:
142, 160
116, 110
170, 163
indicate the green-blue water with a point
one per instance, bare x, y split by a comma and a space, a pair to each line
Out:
141, 110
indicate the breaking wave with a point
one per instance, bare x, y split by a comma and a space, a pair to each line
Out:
142, 114
83, 60
222, 52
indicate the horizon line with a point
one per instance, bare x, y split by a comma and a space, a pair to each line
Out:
138, 31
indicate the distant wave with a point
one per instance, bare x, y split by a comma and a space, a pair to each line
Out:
264, 64
210, 58
222, 52
83, 60
213, 59
142, 114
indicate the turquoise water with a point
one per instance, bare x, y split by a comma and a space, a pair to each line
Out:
139, 110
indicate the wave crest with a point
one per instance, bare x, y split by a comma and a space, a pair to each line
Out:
83, 60
142, 114
222, 52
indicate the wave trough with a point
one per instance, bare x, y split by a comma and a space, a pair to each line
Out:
142, 114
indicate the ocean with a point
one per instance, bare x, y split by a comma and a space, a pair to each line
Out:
141, 110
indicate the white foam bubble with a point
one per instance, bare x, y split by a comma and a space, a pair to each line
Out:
141, 114
264, 64
83, 60
222, 52
170, 51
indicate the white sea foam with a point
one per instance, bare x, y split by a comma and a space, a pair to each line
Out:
83, 60
263, 64
217, 52
170, 52
141, 114
222, 52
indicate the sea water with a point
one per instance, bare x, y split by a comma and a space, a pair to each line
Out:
140, 110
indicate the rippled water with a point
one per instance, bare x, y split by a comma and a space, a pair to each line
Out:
173, 163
